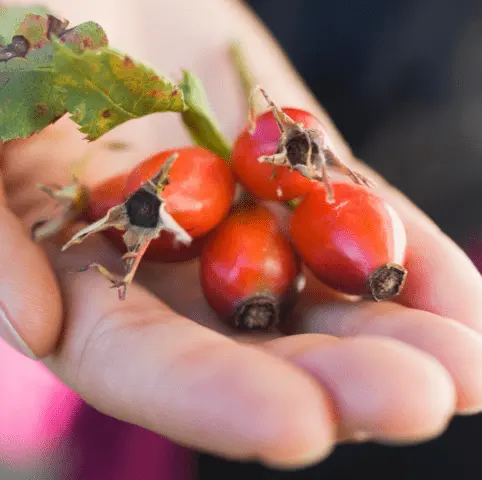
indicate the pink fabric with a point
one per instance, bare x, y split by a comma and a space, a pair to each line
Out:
36, 410
112, 449
37, 413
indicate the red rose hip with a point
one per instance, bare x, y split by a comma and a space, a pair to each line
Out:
263, 179
355, 245
200, 189
105, 196
163, 249
284, 153
142, 217
249, 271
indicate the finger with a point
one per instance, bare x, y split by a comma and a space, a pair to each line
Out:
50, 156
455, 346
140, 362
382, 389
441, 279
30, 304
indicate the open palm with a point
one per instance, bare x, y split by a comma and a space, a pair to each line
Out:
394, 371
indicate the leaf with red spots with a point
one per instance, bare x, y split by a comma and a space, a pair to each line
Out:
48, 69
86, 36
29, 98
34, 28
104, 89
12, 17
38, 30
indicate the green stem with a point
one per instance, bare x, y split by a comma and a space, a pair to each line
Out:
246, 77
199, 119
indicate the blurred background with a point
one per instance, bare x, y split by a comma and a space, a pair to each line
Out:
402, 81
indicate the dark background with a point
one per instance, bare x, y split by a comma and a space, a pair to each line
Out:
403, 82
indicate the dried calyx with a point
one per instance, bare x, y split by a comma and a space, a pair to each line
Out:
143, 217
18, 48
72, 199
257, 313
387, 281
303, 150
56, 26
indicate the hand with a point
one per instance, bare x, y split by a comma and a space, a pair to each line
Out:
392, 372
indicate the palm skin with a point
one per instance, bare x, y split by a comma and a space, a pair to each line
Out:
392, 372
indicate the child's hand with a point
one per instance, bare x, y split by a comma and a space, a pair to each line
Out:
399, 372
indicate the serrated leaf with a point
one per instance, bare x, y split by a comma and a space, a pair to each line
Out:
86, 36
34, 28
105, 89
28, 101
199, 119
12, 17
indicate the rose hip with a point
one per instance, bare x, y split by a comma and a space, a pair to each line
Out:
162, 249
284, 153
200, 189
249, 271
356, 245
142, 216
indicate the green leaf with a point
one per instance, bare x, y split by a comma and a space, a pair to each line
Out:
71, 70
34, 28
199, 119
86, 36
105, 89
12, 17
28, 100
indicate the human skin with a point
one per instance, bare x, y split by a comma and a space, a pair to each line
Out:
392, 372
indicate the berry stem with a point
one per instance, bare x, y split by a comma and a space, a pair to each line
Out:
73, 199
246, 77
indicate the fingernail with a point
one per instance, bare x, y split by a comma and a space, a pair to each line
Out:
361, 437
470, 411
308, 459
355, 437
10, 335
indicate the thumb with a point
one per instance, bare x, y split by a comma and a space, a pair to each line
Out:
30, 302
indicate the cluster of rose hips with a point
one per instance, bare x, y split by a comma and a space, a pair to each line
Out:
180, 204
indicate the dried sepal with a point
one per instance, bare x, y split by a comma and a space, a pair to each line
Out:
56, 26
72, 199
143, 217
18, 48
302, 149
116, 217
